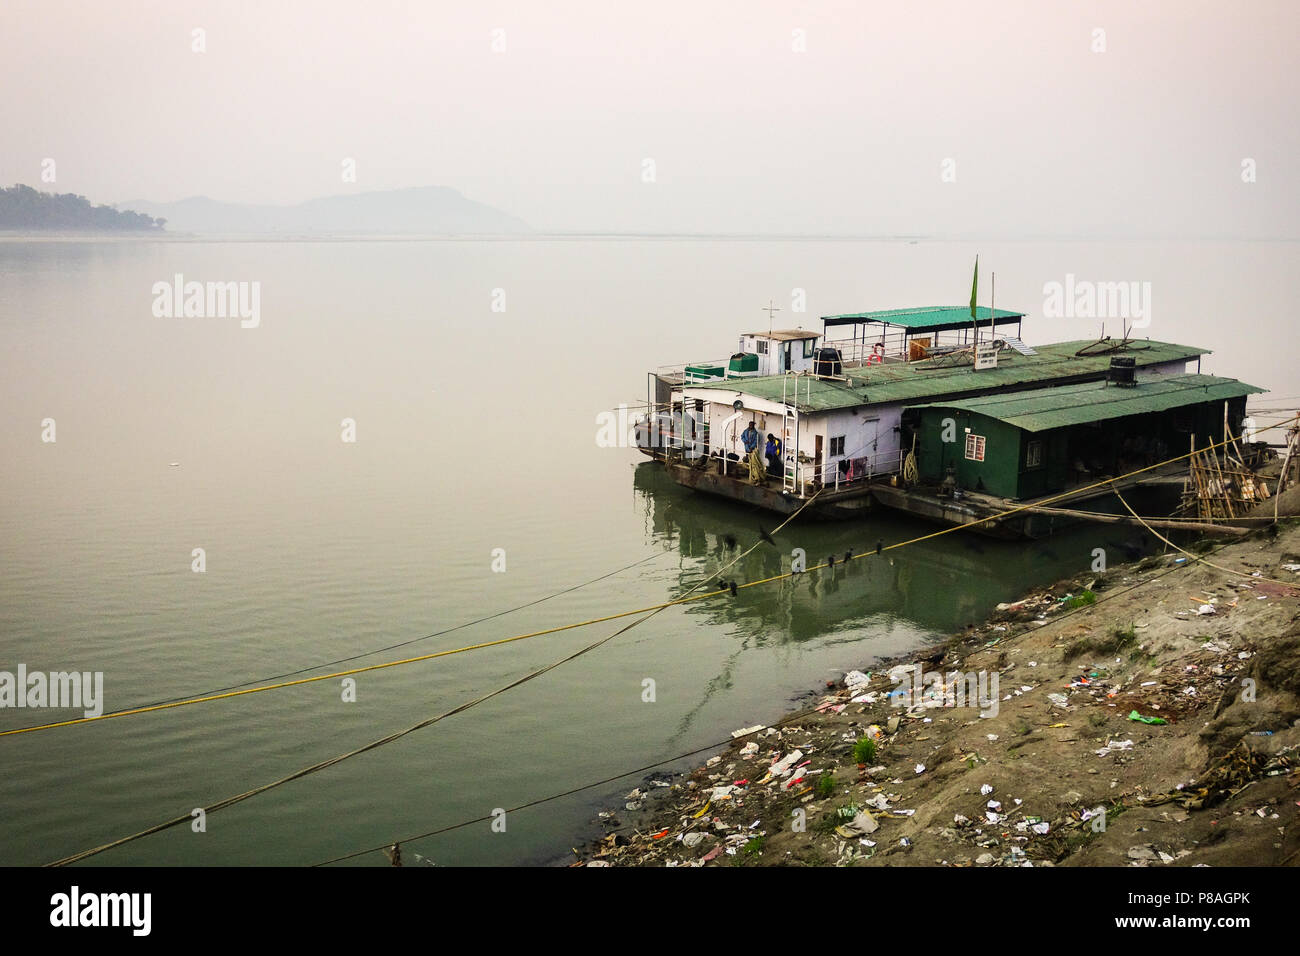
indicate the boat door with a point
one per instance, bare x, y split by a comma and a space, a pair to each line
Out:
871, 443
817, 457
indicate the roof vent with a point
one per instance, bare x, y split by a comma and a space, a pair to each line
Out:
1122, 371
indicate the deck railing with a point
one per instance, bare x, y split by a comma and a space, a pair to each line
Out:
895, 346
666, 438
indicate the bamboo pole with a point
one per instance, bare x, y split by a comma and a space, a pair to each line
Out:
1100, 518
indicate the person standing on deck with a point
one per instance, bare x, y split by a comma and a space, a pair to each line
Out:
773, 453
752, 455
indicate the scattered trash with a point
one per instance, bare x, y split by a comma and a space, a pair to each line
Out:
1114, 745
862, 824
1134, 715
785, 763
855, 679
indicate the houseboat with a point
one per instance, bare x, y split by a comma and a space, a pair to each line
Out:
933, 412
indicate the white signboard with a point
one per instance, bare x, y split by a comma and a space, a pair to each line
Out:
986, 356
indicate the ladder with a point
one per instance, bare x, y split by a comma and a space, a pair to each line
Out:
1018, 345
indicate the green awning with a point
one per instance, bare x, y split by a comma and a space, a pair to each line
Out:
930, 318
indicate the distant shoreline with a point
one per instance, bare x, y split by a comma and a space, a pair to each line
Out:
62, 235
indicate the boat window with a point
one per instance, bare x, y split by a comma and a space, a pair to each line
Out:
808, 347
837, 446
762, 346
1034, 454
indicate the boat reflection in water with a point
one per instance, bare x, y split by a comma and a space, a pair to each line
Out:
939, 585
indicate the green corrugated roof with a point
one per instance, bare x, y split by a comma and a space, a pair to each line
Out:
933, 318
1042, 409
906, 382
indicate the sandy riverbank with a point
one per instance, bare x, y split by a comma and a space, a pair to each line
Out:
1020, 774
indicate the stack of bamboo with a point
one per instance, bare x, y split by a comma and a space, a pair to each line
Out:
1220, 486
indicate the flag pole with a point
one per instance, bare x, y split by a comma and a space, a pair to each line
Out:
993, 293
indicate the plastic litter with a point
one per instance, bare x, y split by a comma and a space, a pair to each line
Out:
1113, 745
861, 825
783, 765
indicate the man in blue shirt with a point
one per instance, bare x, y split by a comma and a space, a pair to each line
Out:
750, 439
773, 455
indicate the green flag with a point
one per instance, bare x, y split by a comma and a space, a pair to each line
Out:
974, 285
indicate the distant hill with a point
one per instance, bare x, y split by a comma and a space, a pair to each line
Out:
428, 210
22, 207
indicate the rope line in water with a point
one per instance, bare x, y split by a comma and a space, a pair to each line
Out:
653, 608
314, 768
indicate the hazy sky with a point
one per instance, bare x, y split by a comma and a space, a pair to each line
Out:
746, 133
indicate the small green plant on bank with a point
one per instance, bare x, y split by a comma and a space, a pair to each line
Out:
1082, 599
825, 785
864, 751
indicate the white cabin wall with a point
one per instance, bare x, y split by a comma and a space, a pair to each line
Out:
728, 440
889, 434
868, 433
767, 360
797, 362
770, 363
